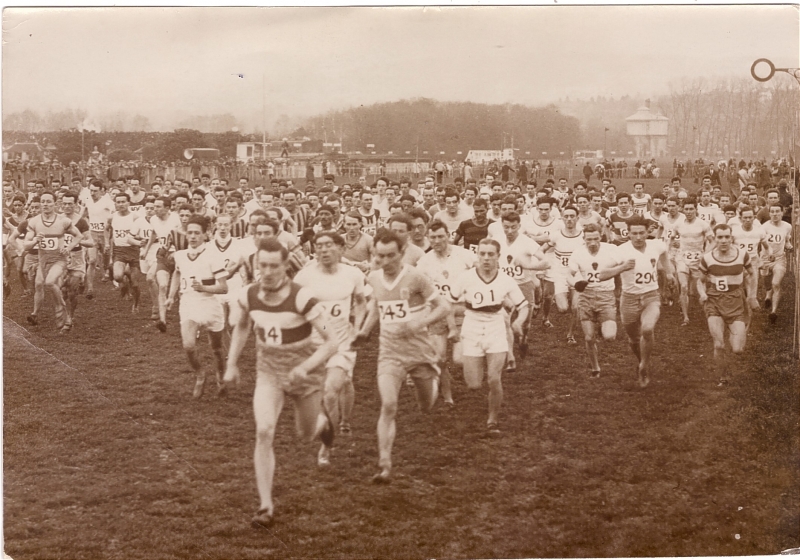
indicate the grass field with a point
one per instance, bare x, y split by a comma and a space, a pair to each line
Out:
106, 455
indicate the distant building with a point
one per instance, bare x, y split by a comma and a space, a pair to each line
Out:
251, 151
483, 156
649, 131
24, 151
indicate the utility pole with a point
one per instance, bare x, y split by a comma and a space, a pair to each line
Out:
264, 115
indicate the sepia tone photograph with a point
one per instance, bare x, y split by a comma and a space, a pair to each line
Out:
400, 282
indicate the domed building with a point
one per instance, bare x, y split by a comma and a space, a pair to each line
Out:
649, 131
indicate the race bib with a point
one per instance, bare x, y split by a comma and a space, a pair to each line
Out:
336, 309
97, 226
644, 278
443, 289
483, 298
692, 256
49, 243
394, 311
268, 334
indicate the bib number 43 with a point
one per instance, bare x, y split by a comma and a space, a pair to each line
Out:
394, 311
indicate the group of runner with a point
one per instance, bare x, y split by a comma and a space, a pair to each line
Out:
453, 275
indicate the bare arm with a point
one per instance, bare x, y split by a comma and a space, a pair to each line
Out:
173, 287
371, 319
323, 352
608, 273
239, 336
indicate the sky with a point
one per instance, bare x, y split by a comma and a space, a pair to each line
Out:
165, 63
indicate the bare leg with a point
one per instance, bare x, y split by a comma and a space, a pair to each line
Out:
267, 406
591, 346
189, 338
389, 388
494, 372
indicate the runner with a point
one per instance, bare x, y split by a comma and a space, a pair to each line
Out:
618, 220
443, 265
99, 209
639, 199
46, 231
232, 253
29, 259
340, 289
749, 236
668, 233
161, 226
484, 291
541, 226
519, 256
723, 273
693, 235
638, 261
403, 225
147, 253
126, 243
358, 245
470, 232
198, 276
773, 266
76, 265
564, 242
596, 301
400, 297
289, 362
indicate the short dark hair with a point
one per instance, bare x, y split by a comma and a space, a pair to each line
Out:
437, 225
272, 246
386, 236
198, 220
334, 236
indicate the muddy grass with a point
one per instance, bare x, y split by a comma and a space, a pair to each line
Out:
107, 456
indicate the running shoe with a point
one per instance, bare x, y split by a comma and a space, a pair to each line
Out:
262, 519
199, 386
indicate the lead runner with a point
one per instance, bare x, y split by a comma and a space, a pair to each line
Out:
288, 360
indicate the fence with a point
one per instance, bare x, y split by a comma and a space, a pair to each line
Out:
255, 174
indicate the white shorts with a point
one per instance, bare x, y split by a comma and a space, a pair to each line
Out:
479, 338
146, 265
205, 312
343, 359
559, 282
